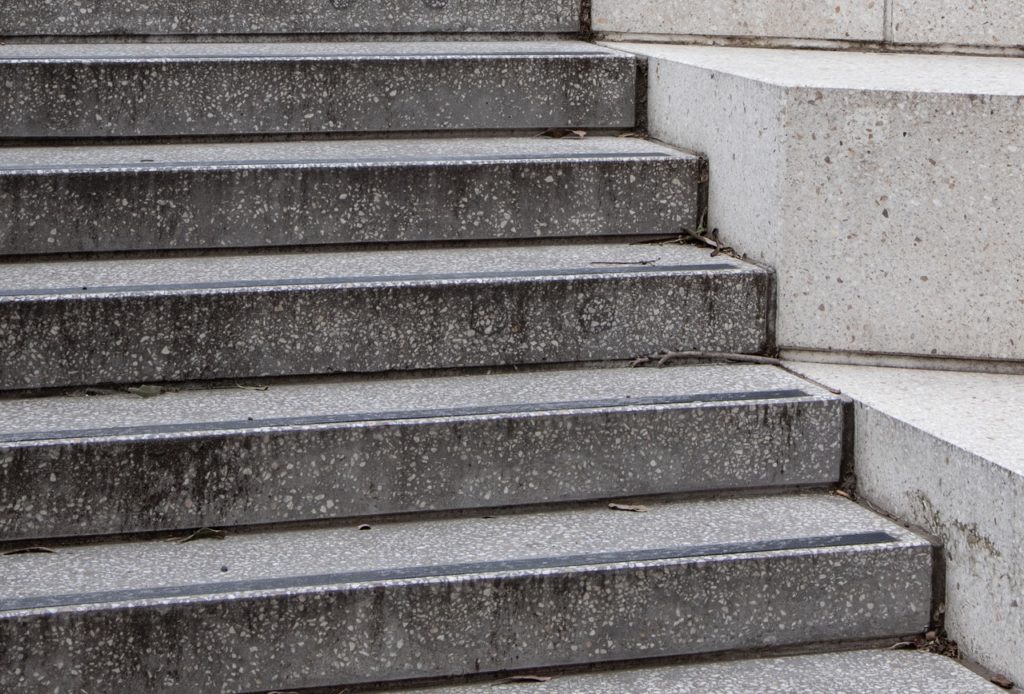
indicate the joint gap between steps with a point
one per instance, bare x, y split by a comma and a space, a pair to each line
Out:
385, 246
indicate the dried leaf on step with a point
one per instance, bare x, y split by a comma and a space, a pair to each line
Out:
628, 507
1002, 681
523, 679
247, 387
558, 133
203, 534
147, 391
30, 550
903, 646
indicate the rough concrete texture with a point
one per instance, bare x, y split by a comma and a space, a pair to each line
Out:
884, 189
289, 314
248, 88
304, 628
116, 198
847, 20
212, 17
985, 23
327, 450
851, 672
945, 451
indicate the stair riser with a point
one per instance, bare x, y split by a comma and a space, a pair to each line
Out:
411, 628
160, 335
343, 202
205, 17
165, 97
166, 482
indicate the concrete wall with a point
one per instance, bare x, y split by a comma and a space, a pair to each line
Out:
980, 24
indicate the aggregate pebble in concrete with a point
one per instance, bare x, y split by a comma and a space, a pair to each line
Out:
852, 672
225, 457
72, 199
212, 17
289, 314
447, 624
164, 89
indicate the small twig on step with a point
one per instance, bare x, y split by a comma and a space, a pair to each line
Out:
665, 356
653, 261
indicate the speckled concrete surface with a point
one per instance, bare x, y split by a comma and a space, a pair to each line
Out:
225, 457
369, 311
218, 88
945, 450
988, 23
847, 20
176, 17
70, 199
861, 175
852, 672
393, 629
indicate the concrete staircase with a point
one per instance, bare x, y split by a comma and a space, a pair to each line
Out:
316, 374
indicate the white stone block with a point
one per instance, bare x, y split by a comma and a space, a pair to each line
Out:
846, 20
979, 23
887, 190
945, 451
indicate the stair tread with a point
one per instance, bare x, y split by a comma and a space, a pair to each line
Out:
375, 400
310, 559
175, 17
185, 274
850, 672
302, 50
355, 152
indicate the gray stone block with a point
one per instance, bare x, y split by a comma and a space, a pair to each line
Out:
160, 89
429, 599
93, 465
241, 17
850, 672
72, 199
171, 319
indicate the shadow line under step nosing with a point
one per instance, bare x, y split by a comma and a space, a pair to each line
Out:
352, 162
609, 270
401, 415
445, 571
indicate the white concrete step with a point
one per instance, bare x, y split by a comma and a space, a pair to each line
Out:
883, 188
337, 606
945, 450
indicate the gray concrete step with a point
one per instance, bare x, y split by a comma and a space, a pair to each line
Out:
171, 319
163, 89
119, 463
850, 672
45, 18
71, 199
284, 610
